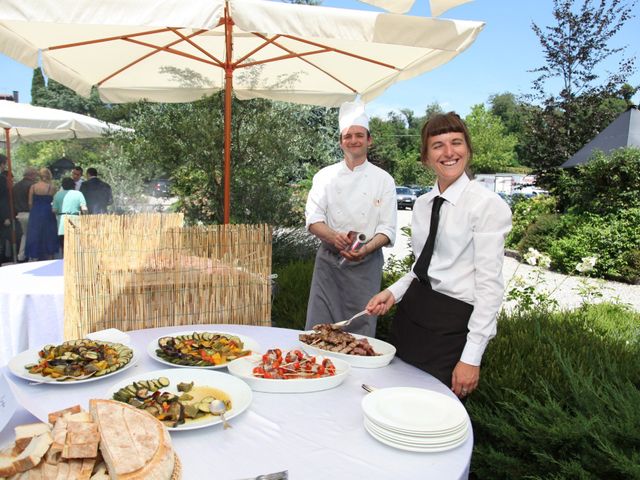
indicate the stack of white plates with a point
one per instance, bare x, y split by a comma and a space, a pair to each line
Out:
415, 419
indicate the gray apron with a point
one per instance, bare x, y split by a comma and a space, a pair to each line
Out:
339, 291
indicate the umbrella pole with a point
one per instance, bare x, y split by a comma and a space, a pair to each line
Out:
10, 189
228, 87
227, 144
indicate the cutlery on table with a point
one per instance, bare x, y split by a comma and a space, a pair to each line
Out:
271, 476
218, 407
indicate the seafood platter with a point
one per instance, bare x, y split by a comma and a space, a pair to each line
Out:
357, 350
289, 372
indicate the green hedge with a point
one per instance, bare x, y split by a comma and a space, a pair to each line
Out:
559, 397
289, 309
613, 238
605, 184
525, 213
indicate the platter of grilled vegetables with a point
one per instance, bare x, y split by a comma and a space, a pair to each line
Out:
73, 361
207, 350
180, 398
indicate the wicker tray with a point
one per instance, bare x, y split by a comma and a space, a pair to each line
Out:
177, 468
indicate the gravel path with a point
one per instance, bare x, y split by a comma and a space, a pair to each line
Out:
563, 288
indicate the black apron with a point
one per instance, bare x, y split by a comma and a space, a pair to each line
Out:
430, 330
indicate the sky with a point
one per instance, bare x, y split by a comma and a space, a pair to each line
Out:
499, 60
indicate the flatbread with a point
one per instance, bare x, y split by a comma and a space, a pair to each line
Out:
134, 444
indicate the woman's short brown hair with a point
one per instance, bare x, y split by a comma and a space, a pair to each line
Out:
444, 123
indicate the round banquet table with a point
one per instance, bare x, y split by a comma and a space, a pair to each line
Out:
31, 306
316, 435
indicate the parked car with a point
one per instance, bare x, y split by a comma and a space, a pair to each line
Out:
160, 187
405, 197
529, 191
420, 190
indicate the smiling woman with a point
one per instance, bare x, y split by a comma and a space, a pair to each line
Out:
449, 301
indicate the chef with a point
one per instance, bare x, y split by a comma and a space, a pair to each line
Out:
351, 208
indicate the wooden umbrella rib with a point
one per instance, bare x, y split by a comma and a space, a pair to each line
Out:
341, 52
172, 51
122, 69
187, 39
107, 39
157, 49
282, 57
323, 49
267, 41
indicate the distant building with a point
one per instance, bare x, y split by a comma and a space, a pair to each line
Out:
501, 182
12, 97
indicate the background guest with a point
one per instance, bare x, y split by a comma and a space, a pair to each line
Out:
96, 192
21, 205
42, 233
76, 175
67, 201
5, 213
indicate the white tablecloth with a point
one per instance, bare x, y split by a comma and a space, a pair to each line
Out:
31, 306
316, 435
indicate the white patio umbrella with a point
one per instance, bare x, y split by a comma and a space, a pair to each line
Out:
27, 123
177, 51
437, 7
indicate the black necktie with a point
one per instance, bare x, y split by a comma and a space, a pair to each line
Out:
421, 267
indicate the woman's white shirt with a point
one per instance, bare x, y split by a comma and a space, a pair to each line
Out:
468, 255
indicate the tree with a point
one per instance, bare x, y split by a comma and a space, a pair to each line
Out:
506, 107
606, 184
575, 48
387, 138
493, 147
410, 171
512, 111
578, 44
275, 145
56, 95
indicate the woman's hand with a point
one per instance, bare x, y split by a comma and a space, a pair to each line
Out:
380, 303
464, 379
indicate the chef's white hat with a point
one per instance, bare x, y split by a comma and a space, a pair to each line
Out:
352, 113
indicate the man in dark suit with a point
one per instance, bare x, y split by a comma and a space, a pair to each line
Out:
6, 215
96, 192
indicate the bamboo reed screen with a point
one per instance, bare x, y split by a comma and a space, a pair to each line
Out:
148, 270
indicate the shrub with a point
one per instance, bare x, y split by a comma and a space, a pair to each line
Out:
558, 397
525, 212
541, 232
289, 308
613, 238
291, 244
393, 270
605, 184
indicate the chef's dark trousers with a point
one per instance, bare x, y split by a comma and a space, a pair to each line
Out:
430, 330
